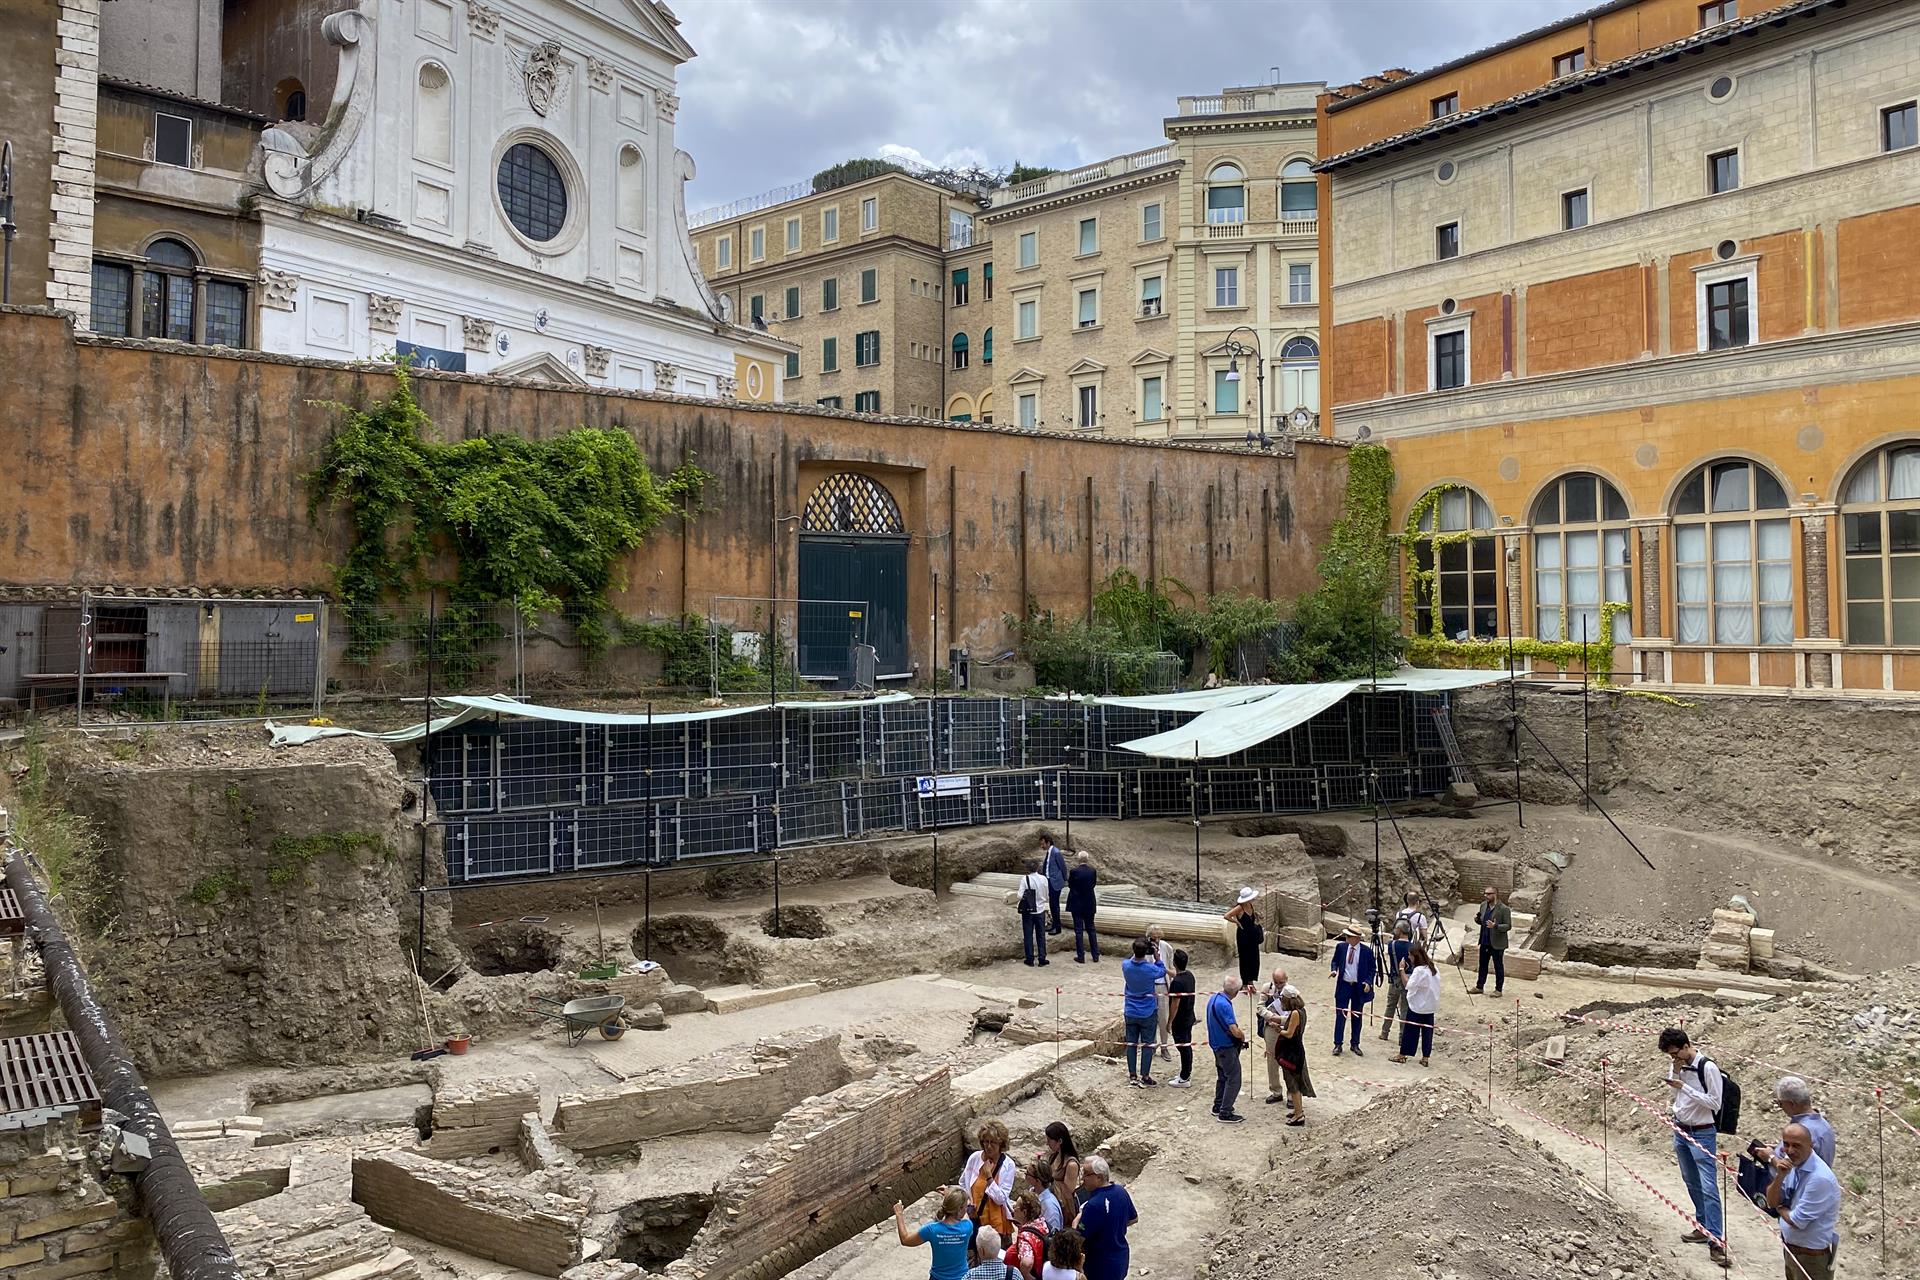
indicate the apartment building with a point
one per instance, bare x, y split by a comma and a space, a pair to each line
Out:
1635, 294
854, 276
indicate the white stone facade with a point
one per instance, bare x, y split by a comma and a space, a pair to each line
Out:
385, 224
75, 125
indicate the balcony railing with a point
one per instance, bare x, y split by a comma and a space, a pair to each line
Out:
1117, 167
1265, 98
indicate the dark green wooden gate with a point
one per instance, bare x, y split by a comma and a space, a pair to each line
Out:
853, 548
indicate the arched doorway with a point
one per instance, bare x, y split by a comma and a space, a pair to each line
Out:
853, 557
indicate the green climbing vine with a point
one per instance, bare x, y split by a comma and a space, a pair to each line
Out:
1339, 630
541, 524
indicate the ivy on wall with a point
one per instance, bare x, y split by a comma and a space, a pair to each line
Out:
1340, 631
542, 524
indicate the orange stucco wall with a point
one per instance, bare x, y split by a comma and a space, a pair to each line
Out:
1586, 320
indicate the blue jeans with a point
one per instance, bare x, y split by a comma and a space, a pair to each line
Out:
1033, 935
1141, 1033
1701, 1172
1092, 939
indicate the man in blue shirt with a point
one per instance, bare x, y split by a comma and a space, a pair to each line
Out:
1227, 1041
1104, 1220
1140, 976
1793, 1097
1806, 1196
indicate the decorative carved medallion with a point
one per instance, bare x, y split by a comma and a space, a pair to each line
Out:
597, 358
729, 388
599, 74
666, 376
383, 312
278, 289
545, 74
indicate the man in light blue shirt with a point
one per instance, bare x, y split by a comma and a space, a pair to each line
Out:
1794, 1098
1806, 1196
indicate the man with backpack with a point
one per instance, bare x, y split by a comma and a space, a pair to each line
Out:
1033, 913
1706, 1103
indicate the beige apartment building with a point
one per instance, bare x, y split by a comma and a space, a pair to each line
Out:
1165, 293
856, 276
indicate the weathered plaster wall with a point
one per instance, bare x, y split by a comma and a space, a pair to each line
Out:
140, 464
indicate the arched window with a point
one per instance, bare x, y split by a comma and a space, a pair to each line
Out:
433, 115
849, 503
1881, 507
1299, 190
290, 100
959, 350
986, 347
1732, 560
986, 406
960, 409
1580, 544
631, 207
1226, 194
1462, 595
166, 291
1299, 375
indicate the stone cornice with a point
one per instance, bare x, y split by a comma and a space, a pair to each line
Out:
1856, 355
1075, 195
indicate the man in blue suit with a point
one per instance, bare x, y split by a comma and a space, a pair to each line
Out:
1352, 975
1054, 864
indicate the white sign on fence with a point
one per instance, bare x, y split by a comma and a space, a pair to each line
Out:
945, 784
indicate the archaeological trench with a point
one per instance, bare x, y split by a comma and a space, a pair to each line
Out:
779, 1075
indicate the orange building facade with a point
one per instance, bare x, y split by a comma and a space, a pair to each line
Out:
1639, 294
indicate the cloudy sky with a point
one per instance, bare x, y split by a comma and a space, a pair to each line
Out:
784, 88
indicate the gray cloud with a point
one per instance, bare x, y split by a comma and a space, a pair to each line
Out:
783, 88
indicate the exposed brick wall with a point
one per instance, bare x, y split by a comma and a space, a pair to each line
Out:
55, 1218
470, 1210
829, 1170
475, 1117
740, 1091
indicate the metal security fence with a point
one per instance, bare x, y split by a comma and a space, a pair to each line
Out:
529, 798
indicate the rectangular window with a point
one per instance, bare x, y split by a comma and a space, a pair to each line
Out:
1029, 248
960, 351
1446, 241
166, 306
959, 229
1089, 235
1028, 324
1150, 221
1900, 127
1449, 360
830, 294
866, 402
793, 302
829, 224
1445, 105
1152, 405
1729, 322
1087, 308
1150, 296
1027, 411
1087, 401
870, 285
1568, 63
1712, 15
757, 308
172, 140
757, 244
1226, 391
112, 299
829, 355
870, 213
723, 252
866, 348
1573, 209
1299, 283
829, 402
1226, 286
1723, 172
986, 281
793, 364
960, 287
793, 235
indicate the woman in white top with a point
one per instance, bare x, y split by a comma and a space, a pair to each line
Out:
988, 1180
1423, 1004
1065, 1256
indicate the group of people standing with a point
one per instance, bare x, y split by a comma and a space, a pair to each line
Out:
1047, 878
1057, 1216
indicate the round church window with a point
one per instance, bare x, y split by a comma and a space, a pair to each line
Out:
532, 192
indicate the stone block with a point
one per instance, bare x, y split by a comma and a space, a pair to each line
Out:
603, 1271
738, 999
1299, 940
681, 998
1524, 965
1015, 1075
1760, 943
79, 1217
85, 1264
22, 1255
480, 1116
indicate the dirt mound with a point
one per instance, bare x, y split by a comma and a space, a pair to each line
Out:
1421, 1182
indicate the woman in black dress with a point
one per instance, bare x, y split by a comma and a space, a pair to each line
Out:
1180, 1013
1247, 937
1290, 1050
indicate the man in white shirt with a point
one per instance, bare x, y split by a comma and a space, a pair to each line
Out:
1805, 1196
1032, 900
1163, 952
1696, 1084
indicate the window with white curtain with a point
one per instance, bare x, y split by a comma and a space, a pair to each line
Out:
1733, 562
1880, 512
1466, 585
1580, 559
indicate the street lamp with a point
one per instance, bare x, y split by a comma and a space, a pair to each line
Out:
1234, 351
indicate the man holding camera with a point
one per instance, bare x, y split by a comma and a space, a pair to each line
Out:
1805, 1196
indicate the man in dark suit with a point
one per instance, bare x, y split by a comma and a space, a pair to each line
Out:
1080, 882
1352, 975
1495, 919
1053, 862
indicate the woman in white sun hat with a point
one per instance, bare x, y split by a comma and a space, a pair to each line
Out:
1247, 935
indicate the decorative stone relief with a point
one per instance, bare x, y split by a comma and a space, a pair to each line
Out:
479, 332
597, 358
278, 289
545, 75
383, 312
599, 74
666, 102
729, 388
666, 376
482, 20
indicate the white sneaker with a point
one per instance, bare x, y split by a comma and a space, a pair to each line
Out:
1179, 1082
